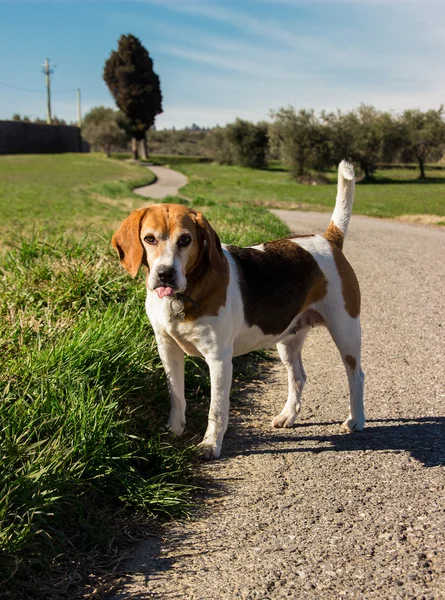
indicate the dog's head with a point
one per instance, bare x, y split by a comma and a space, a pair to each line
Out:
171, 240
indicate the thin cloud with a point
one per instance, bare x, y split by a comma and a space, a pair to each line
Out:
231, 63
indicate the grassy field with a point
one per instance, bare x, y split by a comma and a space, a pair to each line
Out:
64, 194
83, 399
393, 193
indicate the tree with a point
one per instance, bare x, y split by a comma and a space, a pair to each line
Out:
218, 146
101, 127
393, 137
367, 138
135, 87
249, 143
296, 136
57, 121
338, 134
357, 136
18, 117
424, 134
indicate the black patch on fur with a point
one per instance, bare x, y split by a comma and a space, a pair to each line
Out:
275, 283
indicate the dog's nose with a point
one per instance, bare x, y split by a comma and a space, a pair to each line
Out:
165, 274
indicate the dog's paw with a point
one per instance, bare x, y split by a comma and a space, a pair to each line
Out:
208, 451
352, 425
176, 427
284, 420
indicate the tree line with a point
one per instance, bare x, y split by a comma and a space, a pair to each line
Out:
54, 121
302, 140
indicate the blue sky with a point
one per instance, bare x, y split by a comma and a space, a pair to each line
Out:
222, 59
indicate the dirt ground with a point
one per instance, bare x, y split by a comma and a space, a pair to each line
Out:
313, 512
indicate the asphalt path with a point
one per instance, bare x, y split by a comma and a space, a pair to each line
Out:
313, 512
168, 182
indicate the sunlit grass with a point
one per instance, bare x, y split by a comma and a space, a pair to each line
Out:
393, 192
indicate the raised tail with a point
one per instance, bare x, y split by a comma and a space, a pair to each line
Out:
338, 226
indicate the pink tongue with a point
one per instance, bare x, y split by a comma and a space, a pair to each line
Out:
164, 291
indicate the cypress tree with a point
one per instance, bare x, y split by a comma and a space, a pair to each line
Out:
129, 75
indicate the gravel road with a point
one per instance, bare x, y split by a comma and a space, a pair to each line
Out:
167, 183
313, 512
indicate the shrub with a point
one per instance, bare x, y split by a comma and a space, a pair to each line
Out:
102, 128
249, 143
219, 147
297, 138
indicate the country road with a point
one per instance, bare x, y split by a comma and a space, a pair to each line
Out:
313, 512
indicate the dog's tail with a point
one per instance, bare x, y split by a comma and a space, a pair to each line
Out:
338, 226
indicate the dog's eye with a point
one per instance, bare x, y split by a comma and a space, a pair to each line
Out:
150, 239
184, 240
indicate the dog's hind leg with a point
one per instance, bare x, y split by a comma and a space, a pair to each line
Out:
346, 333
290, 354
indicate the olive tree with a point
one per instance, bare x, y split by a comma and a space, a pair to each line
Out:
296, 138
424, 136
249, 143
101, 128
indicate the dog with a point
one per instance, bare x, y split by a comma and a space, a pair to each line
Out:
219, 301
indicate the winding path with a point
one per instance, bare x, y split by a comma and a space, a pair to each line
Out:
312, 512
168, 183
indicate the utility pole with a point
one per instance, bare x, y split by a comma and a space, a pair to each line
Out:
48, 72
79, 110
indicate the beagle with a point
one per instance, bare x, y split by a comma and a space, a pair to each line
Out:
218, 301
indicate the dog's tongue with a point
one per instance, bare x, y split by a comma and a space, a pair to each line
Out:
164, 291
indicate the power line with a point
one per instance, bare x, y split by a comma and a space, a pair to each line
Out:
14, 87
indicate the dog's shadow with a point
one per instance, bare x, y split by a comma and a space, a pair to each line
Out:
423, 438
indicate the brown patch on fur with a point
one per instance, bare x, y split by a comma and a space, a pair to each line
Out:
317, 291
128, 243
208, 275
351, 361
349, 284
277, 284
334, 235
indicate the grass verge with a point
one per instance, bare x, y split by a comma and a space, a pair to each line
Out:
83, 452
392, 193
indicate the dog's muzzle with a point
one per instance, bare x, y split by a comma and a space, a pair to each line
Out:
165, 284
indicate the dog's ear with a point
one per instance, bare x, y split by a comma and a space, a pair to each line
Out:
212, 240
128, 243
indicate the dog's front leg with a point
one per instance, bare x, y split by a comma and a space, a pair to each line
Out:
172, 357
221, 380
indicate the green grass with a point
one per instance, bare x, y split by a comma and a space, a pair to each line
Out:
393, 192
83, 399
64, 193
164, 159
